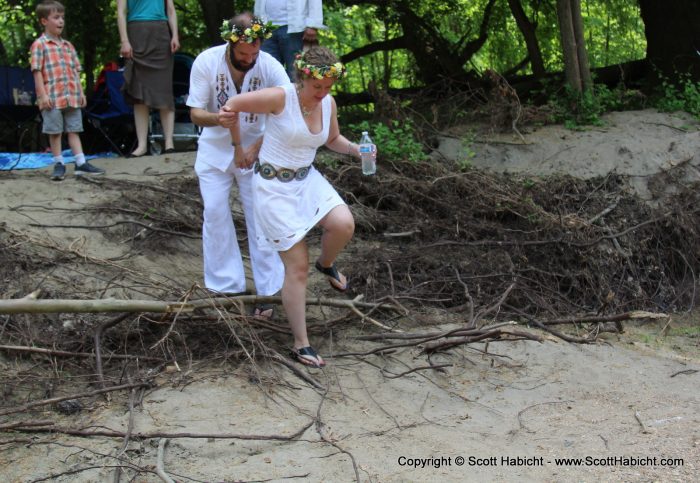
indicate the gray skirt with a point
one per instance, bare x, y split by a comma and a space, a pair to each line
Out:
148, 76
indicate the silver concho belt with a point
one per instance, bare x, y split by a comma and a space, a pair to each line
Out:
285, 175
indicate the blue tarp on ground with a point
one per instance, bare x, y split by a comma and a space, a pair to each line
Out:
10, 161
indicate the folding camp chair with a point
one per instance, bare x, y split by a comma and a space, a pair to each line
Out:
20, 120
109, 113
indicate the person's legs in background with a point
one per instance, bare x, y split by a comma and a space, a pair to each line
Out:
52, 126
167, 121
141, 113
73, 122
272, 45
284, 47
291, 45
59, 168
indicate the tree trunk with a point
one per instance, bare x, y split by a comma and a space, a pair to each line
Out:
584, 66
527, 28
214, 12
673, 37
576, 66
90, 43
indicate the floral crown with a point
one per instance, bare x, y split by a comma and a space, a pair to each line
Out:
337, 70
257, 30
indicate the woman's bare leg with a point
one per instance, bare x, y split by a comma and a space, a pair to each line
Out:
141, 112
296, 271
338, 227
167, 121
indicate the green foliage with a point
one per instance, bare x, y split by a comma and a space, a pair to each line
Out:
613, 28
465, 163
398, 142
326, 158
18, 29
684, 96
577, 110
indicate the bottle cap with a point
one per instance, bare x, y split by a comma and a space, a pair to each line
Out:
364, 132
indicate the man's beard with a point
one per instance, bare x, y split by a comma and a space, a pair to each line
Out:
240, 67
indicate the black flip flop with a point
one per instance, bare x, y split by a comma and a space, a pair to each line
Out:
332, 273
307, 356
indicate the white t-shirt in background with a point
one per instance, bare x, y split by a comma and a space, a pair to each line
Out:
276, 11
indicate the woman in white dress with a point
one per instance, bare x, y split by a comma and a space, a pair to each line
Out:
289, 195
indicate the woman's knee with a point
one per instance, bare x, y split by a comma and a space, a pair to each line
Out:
340, 221
297, 272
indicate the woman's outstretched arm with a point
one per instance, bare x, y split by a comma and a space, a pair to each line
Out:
336, 141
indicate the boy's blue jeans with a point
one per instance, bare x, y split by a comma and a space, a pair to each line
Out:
284, 47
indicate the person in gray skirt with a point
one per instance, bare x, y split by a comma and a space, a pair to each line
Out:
149, 38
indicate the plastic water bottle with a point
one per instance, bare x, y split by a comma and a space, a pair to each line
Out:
367, 149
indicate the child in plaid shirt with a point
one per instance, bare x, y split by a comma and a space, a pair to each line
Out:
59, 93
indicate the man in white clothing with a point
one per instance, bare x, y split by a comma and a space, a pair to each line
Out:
217, 74
297, 22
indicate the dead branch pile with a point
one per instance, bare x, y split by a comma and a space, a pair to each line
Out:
568, 245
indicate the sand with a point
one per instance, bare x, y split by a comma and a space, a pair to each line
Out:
624, 406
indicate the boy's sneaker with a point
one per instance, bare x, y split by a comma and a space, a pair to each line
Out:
59, 172
88, 168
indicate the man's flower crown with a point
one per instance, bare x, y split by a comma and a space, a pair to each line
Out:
257, 30
336, 70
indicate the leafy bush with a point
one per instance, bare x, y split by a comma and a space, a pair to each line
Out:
584, 109
685, 96
398, 142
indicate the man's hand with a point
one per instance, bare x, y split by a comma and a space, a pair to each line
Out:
251, 155
246, 161
310, 35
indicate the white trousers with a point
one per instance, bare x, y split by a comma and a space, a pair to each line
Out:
223, 263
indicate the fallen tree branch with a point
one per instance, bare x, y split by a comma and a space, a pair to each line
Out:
492, 335
50, 427
57, 353
26, 306
53, 400
635, 314
121, 222
23, 306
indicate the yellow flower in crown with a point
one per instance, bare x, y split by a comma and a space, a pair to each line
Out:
257, 30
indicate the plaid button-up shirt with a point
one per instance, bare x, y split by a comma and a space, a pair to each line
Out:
59, 65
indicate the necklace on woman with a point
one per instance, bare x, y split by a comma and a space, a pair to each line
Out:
304, 111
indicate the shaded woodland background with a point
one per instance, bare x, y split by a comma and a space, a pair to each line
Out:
408, 46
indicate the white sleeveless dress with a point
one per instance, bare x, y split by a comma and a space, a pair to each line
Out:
285, 212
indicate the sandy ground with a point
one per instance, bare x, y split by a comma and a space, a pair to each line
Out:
627, 406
